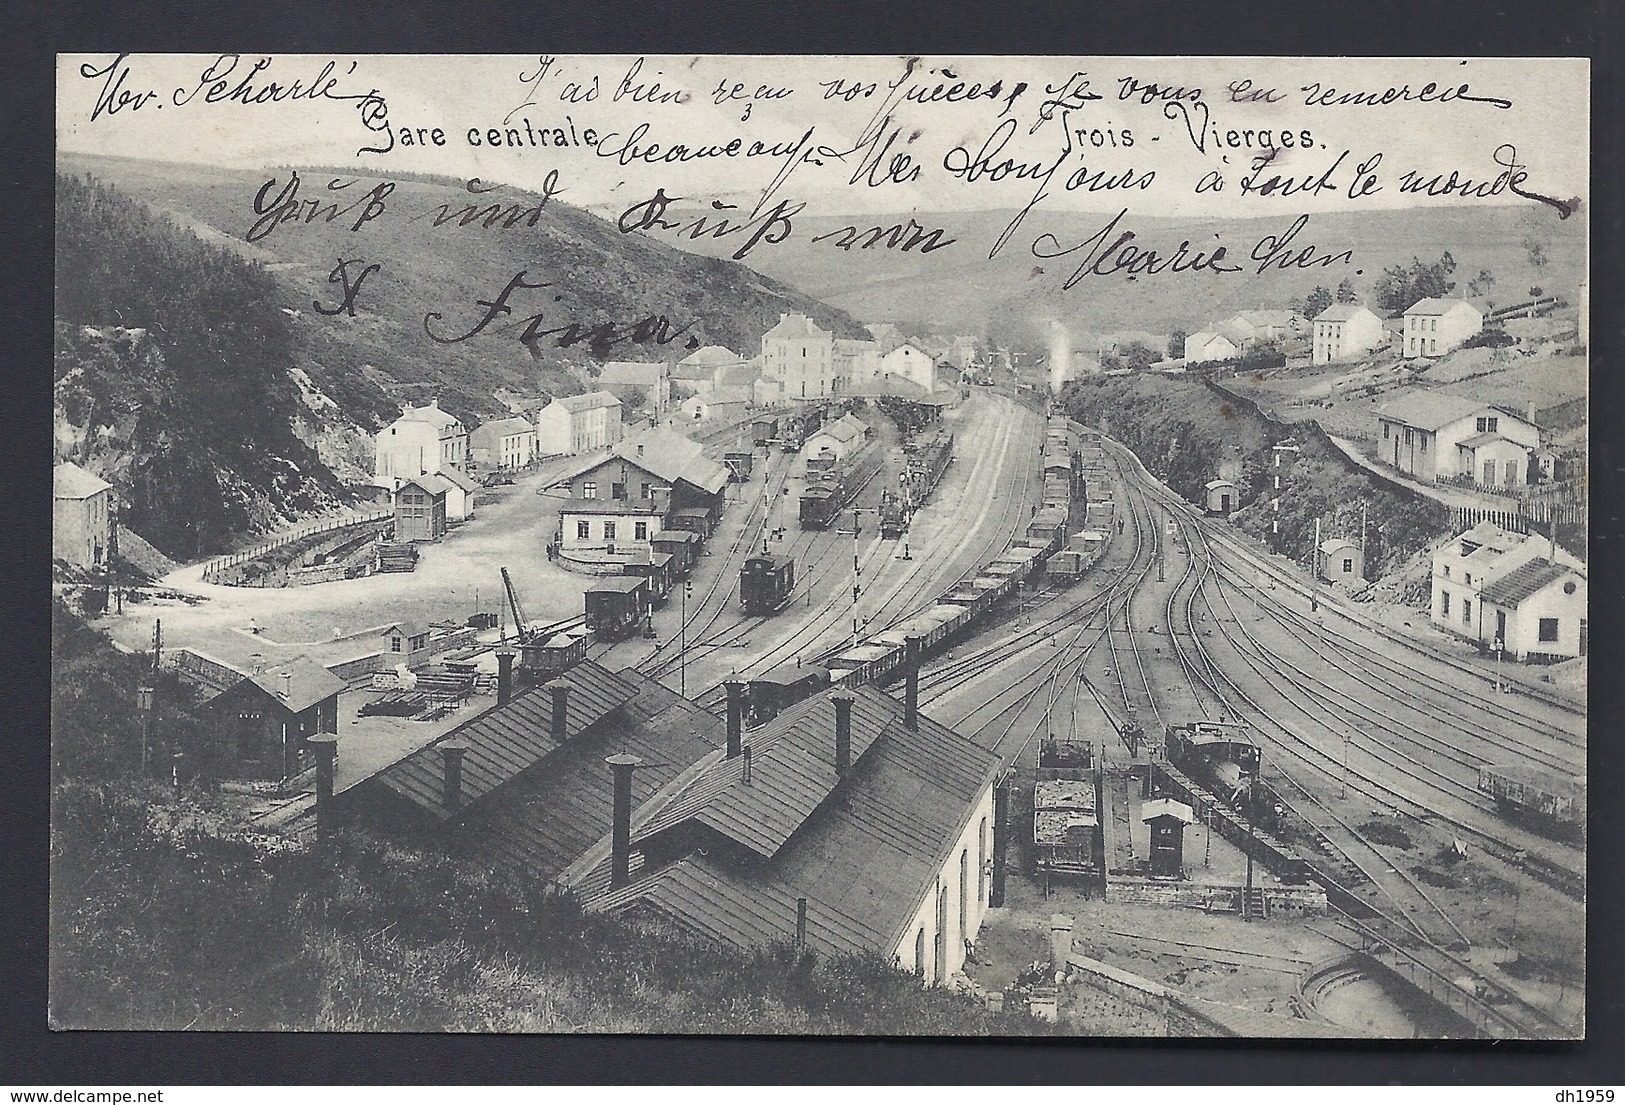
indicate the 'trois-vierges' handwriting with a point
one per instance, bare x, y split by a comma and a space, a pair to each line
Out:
227, 80
1110, 251
600, 338
989, 163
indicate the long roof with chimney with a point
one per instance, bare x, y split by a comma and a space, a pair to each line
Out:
506, 740
546, 818
864, 850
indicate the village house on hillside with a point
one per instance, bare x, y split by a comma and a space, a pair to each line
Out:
1420, 435
422, 441
852, 823
1218, 344
626, 379
799, 357
81, 516
1436, 326
504, 444
1346, 330
1523, 591
1253, 327
573, 424
708, 370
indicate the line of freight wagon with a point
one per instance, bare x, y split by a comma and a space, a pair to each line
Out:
1046, 549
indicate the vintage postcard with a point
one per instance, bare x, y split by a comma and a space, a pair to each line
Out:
821, 545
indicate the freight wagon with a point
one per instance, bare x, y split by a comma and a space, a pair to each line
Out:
763, 429
1545, 798
617, 606
777, 690
766, 584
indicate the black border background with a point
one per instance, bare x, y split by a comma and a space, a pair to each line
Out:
30, 1055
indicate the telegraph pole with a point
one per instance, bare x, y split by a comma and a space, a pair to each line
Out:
682, 641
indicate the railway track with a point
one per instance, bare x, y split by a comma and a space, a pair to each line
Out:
1343, 859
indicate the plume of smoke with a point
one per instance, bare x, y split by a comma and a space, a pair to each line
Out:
1060, 355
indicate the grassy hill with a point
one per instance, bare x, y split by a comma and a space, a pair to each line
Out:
1016, 293
372, 363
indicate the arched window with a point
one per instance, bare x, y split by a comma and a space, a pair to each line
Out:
964, 893
981, 862
919, 952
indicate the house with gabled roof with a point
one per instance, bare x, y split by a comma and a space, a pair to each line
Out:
1419, 434
1434, 326
574, 424
1217, 344
259, 726
420, 508
503, 444
1346, 330
798, 356
81, 516
1490, 584
422, 441
851, 823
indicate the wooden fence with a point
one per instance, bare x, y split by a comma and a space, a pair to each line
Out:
355, 518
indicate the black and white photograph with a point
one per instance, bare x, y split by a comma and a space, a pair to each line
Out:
864, 546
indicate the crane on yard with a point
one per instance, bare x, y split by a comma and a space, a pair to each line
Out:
521, 626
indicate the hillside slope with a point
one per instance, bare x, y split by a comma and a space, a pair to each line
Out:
370, 364
1015, 292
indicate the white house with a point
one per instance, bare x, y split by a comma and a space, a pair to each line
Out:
857, 362
1436, 326
799, 356
422, 441
1420, 433
574, 424
708, 369
719, 405
909, 362
1494, 461
503, 444
1211, 345
625, 379
1346, 330
81, 516
461, 491
838, 439
1490, 584
1264, 325
858, 825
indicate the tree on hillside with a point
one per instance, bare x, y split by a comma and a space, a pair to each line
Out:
1317, 301
1399, 287
1176, 344
1481, 284
1345, 291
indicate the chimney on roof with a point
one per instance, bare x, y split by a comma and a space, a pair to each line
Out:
284, 688
744, 774
452, 790
504, 675
326, 746
843, 733
561, 707
620, 840
911, 685
736, 715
